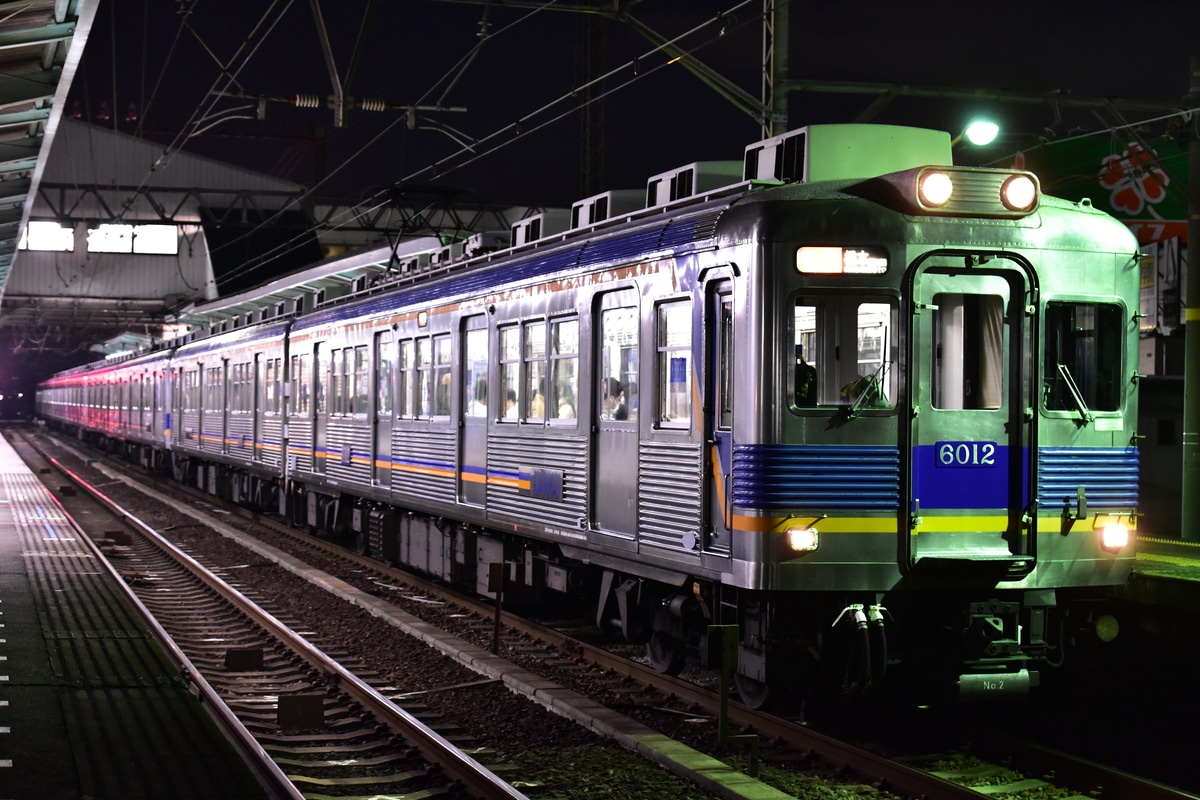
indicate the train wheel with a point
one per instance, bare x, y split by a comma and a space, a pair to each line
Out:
665, 653
754, 693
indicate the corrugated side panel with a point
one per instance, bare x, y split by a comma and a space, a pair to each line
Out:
349, 451
511, 460
1109, 476
814, 476
669, 492
423, 463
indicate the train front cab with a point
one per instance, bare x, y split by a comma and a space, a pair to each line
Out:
958, 465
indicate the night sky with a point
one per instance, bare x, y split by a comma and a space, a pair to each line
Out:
429, 53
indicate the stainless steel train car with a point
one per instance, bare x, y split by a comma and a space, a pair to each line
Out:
873, 409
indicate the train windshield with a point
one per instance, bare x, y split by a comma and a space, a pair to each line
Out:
845, 352
1082, 368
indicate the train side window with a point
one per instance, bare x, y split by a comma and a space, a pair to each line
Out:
968, 369
510, 372
843, 352
424, 375
535, 370
441, 375
475, 387
359, 389
564, 368
406, 380
274, 393
1083, 346
337, 381
302, 382
214, 401
618, 391
674, 350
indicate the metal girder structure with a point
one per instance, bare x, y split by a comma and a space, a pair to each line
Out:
65, 201
41, 43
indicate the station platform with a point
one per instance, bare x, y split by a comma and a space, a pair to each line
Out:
90, 705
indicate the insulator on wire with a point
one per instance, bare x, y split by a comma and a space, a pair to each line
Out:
370, 104
308, 101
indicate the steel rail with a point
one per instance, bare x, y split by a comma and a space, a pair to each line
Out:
480, 781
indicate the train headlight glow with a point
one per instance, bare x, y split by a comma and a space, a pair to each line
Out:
1114, 537
935, 188
803, 540
1018, 193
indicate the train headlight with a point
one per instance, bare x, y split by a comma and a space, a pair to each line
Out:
935, 189
803, 540
1114, 537
1018, 193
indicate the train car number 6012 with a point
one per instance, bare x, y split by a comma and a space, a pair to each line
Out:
966, 454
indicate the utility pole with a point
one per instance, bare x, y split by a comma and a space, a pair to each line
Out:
1190, 514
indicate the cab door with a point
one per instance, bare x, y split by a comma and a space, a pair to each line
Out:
970, 430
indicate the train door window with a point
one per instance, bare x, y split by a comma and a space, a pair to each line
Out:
191, 381
423, 372
272, 379
968, 352
1083, 356
337, 382
214, 400
475, 387
320, 377
406, 379
843, 352
301, 384
674, 349
441, 375
724, 355
564, 368
510, 372
535, 370
385, 357
238, 389
618, 391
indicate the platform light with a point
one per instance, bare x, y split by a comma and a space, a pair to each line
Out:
803, 540
980, 132
1114, 537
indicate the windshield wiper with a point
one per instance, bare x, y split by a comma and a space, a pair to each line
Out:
1085, 413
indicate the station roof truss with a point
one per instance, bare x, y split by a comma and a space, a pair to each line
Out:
41, 43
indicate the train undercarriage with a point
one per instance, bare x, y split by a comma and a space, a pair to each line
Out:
816, 651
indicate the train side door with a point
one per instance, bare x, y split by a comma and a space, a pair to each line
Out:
383, 405
614, 491
969, 451
718, 416
320, 385
477, 408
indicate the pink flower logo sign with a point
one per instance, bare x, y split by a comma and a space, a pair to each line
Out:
1135, 181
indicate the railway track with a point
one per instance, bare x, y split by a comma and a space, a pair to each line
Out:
659, 696
323, 725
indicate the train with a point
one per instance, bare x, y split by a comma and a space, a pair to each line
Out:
871, 412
